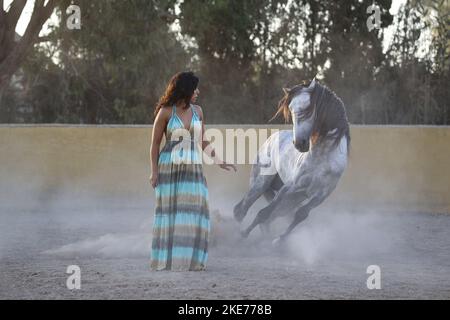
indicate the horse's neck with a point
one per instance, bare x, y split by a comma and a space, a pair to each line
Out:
319, 150
326, 148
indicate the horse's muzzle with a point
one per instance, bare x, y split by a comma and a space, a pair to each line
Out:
302, 145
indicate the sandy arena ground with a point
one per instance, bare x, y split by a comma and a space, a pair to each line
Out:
325, 258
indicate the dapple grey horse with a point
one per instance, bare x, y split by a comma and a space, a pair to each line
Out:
297, 169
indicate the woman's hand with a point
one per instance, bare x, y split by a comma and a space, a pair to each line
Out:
227, 166
154, 180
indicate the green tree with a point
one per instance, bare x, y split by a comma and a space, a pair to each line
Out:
114, 68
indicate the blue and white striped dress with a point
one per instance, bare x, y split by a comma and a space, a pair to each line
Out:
181, 222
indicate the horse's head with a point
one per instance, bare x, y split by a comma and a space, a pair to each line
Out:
302, 114
296, 104
316, 112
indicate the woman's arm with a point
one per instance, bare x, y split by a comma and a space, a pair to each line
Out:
207, 147
157, 134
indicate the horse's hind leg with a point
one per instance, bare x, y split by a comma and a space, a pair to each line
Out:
258, 185
300, 215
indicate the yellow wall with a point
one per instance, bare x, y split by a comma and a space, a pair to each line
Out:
391, 167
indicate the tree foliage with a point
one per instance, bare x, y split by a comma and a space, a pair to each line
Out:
116, 66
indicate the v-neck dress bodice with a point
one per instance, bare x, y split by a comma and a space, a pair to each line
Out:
175, 123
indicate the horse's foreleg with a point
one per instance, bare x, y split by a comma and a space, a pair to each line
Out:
259, 185
262, 216
265, 212
265, 227
269, 194
300, 215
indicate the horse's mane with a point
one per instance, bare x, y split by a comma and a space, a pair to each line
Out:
329, 113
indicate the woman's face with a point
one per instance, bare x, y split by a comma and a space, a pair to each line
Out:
195, 95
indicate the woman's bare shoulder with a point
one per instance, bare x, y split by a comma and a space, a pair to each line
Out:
165, 112
199, 110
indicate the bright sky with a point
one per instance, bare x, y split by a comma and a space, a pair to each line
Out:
26, 14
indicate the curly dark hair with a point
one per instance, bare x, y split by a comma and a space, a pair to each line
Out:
181, 87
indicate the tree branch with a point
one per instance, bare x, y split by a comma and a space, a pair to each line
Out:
14, 12
17, 54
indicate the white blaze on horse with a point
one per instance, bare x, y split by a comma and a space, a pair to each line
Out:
297, 170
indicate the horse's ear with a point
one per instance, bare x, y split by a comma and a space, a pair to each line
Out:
286, 90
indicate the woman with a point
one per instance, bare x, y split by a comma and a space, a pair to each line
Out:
181, 224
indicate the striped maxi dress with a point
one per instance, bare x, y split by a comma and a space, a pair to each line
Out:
181, 223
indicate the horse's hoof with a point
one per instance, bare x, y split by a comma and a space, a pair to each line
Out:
277, 241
